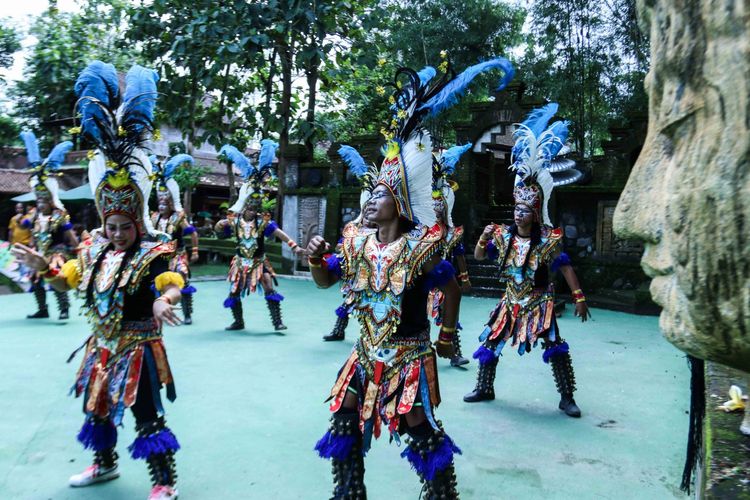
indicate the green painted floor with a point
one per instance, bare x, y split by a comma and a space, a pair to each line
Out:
250, 408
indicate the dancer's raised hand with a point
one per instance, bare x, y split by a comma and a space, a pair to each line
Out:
30, 257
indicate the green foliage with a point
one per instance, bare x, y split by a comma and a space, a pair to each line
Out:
188, 176
413, 34
9, 130
591, 58
9, 43
66, 43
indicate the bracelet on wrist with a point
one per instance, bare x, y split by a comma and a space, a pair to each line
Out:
50, 274
292, 244
164, 298
315, 262
579, 300
445, 342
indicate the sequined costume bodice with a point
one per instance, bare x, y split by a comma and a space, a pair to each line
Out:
521, 288
172, 225
250, 237
111, 296
381, 278
48, 232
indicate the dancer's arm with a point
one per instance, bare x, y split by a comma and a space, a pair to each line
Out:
62, 280
582, 310
278, 233
320, 273
480, 250
451, 305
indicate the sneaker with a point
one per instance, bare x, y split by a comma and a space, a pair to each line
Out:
459, 361
92, 475
41, 313
64, 315
162, 492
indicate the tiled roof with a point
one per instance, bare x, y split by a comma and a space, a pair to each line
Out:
14, 181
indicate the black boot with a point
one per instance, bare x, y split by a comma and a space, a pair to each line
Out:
63, 303
152, 436
40, 294
343, 445
427, 446
458, 359
485, 388
187, 308
339, 329
239, 323
562, 370
274, 307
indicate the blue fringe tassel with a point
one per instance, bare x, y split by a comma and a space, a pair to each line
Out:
342, 312
459, 249
434, 462
227, 231
441, 274
338, 447
97, 436
484, 355
188, 230
161, 442
333, 264
274, 297
67, 226
270, 228
188, 290
561, 260
555, 350
230, 302
26, 224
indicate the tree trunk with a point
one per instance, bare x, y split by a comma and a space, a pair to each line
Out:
313, 73
268, 88
285, 54
222, 110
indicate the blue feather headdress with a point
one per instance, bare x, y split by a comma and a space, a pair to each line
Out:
166, 185
43, 178
231, 154
443, 187
120, 171
367, 174
32, 148
408, 166
534, 160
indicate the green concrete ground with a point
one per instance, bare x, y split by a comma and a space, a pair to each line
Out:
250, 408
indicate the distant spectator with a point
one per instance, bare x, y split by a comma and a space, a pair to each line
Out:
17, 232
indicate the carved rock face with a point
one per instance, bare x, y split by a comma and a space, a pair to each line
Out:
688, 197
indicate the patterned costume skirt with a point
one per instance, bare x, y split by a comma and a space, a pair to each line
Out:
523, 327
245, 274
386, 391
180, 263
109, 380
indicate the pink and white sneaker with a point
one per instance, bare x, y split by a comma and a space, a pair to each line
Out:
162, 492
94, 474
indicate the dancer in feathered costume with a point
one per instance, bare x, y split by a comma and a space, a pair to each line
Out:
250, 222
390, 377
367, 176
125, 363
444, 165
51, 229
526, 252
171, 219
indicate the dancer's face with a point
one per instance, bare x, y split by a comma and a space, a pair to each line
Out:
121, 230
44, 205
523, 216
19, 208
381, 207
165, 205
